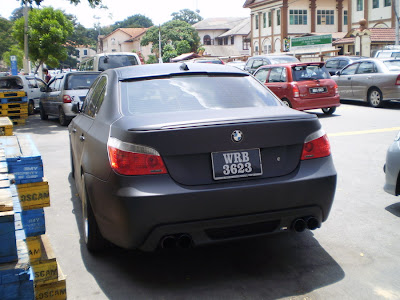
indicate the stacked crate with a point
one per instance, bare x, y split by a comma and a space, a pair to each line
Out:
29, 195
14, 104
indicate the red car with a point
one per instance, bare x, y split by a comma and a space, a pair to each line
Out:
301, 85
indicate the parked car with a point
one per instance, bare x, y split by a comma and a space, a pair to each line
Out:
392, 168
62, 91
337, 63
393, 53
148, 175
301, 85
105, 61
29, 84
237, 63
253, 63
372, 80
206, 60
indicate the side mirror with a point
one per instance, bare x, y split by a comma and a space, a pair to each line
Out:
75, 108
338, 73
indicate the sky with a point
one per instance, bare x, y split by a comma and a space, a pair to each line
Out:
159, 11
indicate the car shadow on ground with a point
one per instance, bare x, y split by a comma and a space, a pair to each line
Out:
394, 209
393, 105
282, 265
34, 124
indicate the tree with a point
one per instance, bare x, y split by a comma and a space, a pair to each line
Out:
172, 32
47, 34
168, 53
187, 15
16, 51
6, 40
92, 3
135, 21
17, 13
182, 47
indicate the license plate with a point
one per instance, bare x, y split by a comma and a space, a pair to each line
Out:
235, 164
318, 90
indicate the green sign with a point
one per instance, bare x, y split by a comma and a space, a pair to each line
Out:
311, 40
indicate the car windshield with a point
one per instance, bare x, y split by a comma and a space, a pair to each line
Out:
283, 59
116, 61
195, 92
80, 81
11, 83
393, 65
309, 72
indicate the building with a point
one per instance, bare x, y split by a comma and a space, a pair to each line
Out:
124, 40
273, 22
224, 36
82, 52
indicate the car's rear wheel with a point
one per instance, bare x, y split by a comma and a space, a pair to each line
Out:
287, 102
62, 117
329, 110
31, 107
93, 239
43, 114
375, 98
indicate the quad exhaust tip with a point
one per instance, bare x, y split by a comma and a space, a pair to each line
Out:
301, 224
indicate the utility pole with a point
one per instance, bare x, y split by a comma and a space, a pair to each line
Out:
159, 45
396, 14
26, 53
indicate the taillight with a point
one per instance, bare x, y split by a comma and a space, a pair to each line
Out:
296, 92
316, 145
131, 159
67, 99
398, 80
336, 89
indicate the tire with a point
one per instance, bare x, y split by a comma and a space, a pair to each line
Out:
43, 114
94, 241
62, 117
329, 110
31, 108
287, 102
375, 98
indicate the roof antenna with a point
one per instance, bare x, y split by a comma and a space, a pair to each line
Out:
184, 67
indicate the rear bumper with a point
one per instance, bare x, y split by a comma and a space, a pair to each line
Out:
314, 103
136, 212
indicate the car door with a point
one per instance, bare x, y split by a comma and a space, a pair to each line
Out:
363, 79
344, 81
55, 96
277, 80
38, 91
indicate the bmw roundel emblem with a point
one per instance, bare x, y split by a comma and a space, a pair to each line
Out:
237, 136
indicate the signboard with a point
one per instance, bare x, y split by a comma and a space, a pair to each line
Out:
311, 41
14, 66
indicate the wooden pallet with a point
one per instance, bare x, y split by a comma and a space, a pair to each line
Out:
11, 105
6, 126
18, 121
12, 94
34, 195
14, 112
14, 99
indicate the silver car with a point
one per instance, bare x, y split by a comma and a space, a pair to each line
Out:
62, 91
29, 84
392, 168
372, 80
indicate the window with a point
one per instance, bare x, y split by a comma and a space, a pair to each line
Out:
298, 17
277, 75
278, 17
257, 63
85, 52
332, 64
262, 74
325, 17
269, 19
32, 83
256, 49
256, 21
350, 70
375, 4
232, 40
342, 64
360, 5
246, 43
264, 20
226, 40
95, 98
366, 68
388, 3
345, 17
207, 40
112, 41
55, 84
40, 83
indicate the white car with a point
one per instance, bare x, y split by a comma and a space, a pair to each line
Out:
28, 83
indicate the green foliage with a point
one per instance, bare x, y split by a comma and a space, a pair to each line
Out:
47, 35
182, 47
17, 13
92, 3
14, 50
168, 53
135, 21
6, 40
172, 32
152, 59
187, 15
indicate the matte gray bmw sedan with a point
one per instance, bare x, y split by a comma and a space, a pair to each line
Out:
179, 155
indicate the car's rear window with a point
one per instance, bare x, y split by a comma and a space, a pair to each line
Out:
195, 92
11, 83
80, 81
282, 60
393, 65
309, 72
116, 61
